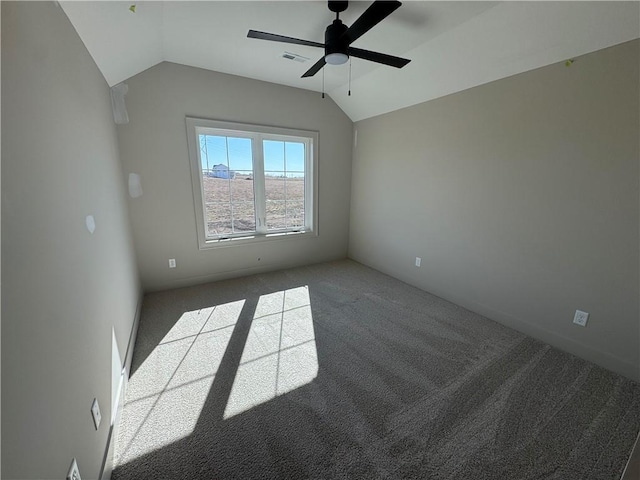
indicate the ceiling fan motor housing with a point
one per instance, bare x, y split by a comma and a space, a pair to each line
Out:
334, 39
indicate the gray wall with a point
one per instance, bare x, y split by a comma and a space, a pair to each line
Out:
62, 288
154, 144
521, 197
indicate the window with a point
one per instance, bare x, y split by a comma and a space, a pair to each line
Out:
251, 183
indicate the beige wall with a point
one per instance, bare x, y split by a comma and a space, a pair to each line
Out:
62, 288
521, 197
154, 145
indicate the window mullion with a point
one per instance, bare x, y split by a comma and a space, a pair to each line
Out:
259, 185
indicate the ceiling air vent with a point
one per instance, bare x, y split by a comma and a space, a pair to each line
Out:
295, 57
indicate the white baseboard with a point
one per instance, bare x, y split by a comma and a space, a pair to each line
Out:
128, 356
107, 462
107, 466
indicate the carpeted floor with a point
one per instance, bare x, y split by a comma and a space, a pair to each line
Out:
336, 371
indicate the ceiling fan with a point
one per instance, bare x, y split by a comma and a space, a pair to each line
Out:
338, 37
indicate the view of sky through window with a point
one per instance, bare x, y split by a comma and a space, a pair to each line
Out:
279, 156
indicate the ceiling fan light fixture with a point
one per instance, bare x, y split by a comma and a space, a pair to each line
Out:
338, 37
336, 58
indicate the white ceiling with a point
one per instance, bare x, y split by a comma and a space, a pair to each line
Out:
453, 45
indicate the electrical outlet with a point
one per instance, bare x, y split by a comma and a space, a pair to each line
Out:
580, 318
95, 412
418, 261
172, 263
74, 472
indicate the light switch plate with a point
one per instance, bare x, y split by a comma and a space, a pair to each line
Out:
95, 412
74, 472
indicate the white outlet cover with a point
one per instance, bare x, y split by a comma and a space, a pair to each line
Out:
74, 472
172, 263
580, 318
95, 412
418, 261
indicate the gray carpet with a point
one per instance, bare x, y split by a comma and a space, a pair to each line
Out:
336, 371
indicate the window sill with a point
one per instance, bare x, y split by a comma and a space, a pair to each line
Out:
254, 238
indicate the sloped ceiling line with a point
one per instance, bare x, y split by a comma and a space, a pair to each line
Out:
453, 45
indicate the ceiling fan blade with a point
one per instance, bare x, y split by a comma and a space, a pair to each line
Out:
373, 15
315, 69
378, 57
281, 38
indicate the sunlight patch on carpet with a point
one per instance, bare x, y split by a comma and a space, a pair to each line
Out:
169, 390
280, 352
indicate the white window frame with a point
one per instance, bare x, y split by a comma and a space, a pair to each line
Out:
198, 126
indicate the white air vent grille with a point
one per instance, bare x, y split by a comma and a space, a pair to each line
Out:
295, 57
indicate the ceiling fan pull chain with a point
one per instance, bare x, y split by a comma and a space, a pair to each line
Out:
323, 83
349, 77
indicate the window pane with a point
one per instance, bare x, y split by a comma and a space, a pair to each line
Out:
274, 185
295, 214
285, 200
227, 183
295, 161
276, 206
240, 156
215, 189
242, 187
273, 152
218, 219
276, 214
244, 218
294, 154
284, 187
213, 152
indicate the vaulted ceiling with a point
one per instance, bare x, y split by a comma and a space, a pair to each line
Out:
452, 45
